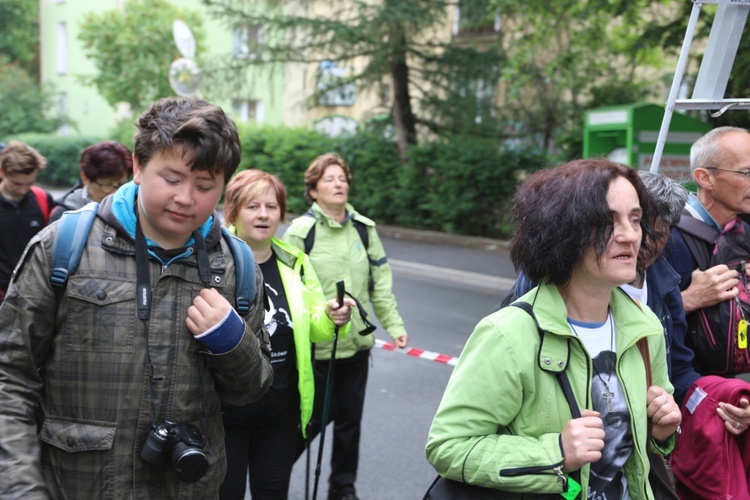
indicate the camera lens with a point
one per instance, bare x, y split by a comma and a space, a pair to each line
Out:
189, 462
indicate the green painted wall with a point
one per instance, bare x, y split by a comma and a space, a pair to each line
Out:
91, 114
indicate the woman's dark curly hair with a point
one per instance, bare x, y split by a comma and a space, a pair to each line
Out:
559, 213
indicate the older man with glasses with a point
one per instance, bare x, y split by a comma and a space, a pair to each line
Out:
720, 162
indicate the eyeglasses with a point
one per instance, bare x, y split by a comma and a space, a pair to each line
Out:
744, 173
109, 188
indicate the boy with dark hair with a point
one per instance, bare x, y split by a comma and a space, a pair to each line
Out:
24, 209
116, 391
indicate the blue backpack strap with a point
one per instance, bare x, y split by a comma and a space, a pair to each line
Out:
72, 234
244, 265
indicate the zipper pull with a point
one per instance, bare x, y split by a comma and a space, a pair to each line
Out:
561, 479
571, 487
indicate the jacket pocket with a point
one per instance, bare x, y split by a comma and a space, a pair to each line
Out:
75, 435
78, 459
100, 314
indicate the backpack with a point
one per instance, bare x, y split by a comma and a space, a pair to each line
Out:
718, 334
363, 235
72, 234
43, 202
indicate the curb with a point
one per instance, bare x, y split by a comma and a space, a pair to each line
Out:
437, 237
493, 285
457, 240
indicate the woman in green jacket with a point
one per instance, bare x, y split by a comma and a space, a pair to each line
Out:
261, 437
343, 245
582, 230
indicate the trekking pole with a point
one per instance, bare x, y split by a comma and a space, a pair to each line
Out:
307, 470
329, 383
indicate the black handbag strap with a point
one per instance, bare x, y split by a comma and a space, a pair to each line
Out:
562, 377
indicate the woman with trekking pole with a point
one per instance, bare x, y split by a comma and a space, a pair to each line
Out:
343, 245
261, 437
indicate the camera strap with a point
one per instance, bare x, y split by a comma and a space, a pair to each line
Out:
143, 302
143, 288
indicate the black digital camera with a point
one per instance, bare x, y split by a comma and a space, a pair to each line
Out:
179, 446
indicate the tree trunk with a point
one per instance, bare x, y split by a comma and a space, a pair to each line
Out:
403, 116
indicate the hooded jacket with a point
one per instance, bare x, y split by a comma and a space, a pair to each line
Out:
76, 398
500, 420
338, 254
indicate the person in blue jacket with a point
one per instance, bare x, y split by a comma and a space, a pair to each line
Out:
658, 286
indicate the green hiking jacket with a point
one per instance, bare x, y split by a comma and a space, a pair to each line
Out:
500, 419
338, 254
307, 305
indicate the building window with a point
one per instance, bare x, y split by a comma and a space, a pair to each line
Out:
62, 112
248, 110
475, 18
62, 49
335, 85
245, 40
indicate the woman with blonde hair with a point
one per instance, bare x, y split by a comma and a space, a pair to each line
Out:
261, 437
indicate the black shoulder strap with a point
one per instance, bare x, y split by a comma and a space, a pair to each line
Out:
698, 228
363, 234
358, 225
698, 235
562, 377
310, 238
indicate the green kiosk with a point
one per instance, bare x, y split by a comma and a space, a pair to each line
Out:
628, 133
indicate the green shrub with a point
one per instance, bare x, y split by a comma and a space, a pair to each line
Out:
123, 133
23, 102
460, 185
286, 153
63, 154
375, 167
464, 185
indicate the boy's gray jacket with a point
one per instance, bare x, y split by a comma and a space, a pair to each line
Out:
75, 398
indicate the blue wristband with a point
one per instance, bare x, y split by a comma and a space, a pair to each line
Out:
224, 336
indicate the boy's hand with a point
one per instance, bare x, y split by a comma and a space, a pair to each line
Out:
208, 309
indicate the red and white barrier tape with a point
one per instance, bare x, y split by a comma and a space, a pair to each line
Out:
417, 353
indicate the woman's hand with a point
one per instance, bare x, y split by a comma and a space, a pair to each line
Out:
402, 341
736, 418
663, 412
340, 315
582, 440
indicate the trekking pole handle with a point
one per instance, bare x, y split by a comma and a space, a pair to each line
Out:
340, 292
